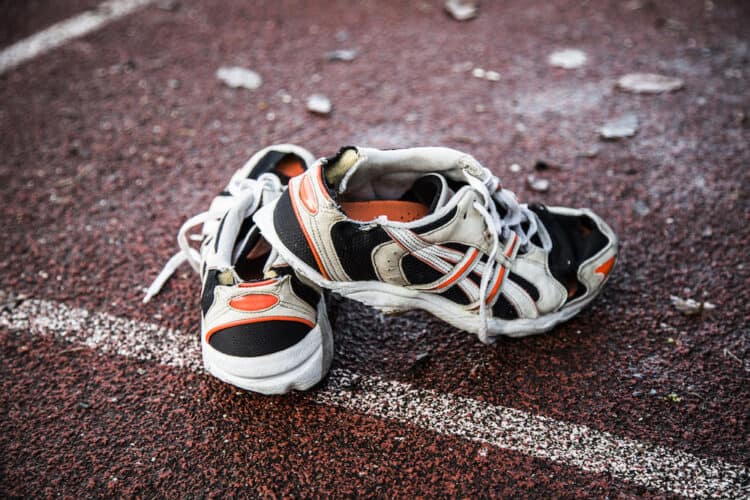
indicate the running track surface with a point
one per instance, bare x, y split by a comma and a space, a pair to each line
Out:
111, 140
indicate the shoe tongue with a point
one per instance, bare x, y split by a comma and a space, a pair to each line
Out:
339, 165
430, 190
285, 165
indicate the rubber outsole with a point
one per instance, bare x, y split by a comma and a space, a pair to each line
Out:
298, 367
393, 299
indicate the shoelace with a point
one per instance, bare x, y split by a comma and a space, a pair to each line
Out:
267, 185
501, 230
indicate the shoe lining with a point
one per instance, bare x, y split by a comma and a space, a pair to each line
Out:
395, 210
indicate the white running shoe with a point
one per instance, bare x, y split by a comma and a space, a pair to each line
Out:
431, 228
263, 329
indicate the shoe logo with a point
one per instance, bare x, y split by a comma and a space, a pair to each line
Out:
456, 266
254, 302
606, 267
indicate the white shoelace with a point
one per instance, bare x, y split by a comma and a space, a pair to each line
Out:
267, 185
501, 230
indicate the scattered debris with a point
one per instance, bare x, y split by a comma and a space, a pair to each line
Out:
489, 75
319, 104
621, 127
73, 349
633, 5
168, 5
641, 208
462, 10
345, 55
174, 83
478, 73
649, 83
591, 152
652, 392
690, 307
674, 398
237, 77
421, 356
462, 67
567, 58
84, 404
515, 168
730, 354
537, 184
492, 76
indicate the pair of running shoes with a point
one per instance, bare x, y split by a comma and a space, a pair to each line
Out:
422, 228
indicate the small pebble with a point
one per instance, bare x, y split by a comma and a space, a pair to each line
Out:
462, 67
168, 5
515, 168
690, 307
649, 83
591, 152
345, 55
492, 76
537, 184
567, 58
478, 73
319, 104
621, 127
236, 77
462, 10
641, 208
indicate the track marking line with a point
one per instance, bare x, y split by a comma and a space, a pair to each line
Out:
587, 449
64, 31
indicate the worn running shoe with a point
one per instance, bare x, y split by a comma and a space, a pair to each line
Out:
263, 329
431, 228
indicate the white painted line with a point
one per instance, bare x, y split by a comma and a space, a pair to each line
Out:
637, 462
64, 31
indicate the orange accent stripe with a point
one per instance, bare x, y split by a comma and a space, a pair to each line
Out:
257, 320
253, 284
501, 273
254, 302
460, 272
307, 195
605, 268
307, 235
495, 288
509, 251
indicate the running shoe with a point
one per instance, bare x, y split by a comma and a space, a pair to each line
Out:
263, 329
432, 229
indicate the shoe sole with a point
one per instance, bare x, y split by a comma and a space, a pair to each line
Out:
394, 299
298, 367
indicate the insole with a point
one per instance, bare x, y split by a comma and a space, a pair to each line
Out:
395, 210
291, 166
